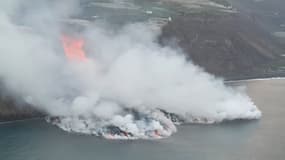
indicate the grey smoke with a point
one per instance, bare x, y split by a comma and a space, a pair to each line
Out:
126, 68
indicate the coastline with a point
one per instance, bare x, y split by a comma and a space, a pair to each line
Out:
20, 120
38, 117
254, 79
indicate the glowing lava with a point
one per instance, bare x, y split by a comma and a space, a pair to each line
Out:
73, 48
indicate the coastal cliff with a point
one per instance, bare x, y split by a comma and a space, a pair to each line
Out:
11, 110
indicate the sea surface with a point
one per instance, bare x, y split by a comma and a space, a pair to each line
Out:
262, 139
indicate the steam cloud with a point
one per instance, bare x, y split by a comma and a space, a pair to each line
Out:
128, 81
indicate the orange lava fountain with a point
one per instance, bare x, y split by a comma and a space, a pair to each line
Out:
73, 48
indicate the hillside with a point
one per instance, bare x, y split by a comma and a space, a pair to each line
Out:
217, 37
226, 44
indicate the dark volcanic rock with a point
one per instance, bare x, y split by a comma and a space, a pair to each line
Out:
10, 110
225, 44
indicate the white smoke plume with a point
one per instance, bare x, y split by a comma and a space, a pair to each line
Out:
127, 71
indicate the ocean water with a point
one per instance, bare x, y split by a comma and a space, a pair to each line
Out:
259, 139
